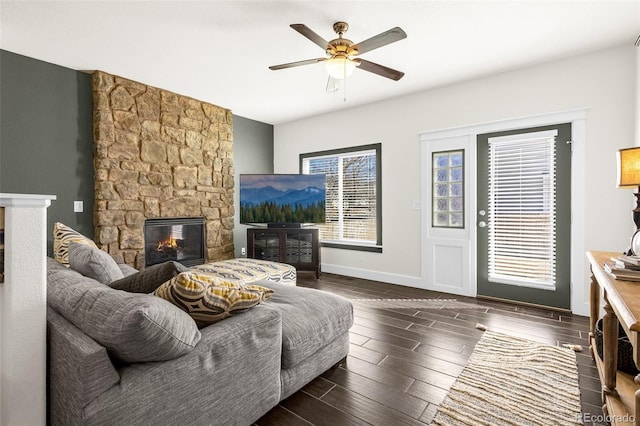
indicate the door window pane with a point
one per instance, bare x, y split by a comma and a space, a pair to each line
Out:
448, 189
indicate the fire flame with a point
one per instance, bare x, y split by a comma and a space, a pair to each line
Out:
169, 242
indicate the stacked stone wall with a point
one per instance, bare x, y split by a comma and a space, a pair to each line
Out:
159, 154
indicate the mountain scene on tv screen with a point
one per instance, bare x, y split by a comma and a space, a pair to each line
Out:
287, 199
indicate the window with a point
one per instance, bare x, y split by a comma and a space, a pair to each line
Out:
522, 209
353, 206
448, 189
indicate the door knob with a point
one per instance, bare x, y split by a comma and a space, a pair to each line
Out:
482, 224
482, 213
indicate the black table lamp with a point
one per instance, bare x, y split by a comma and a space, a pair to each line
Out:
629, 176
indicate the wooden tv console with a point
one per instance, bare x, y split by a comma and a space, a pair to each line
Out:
620, 391
299, 247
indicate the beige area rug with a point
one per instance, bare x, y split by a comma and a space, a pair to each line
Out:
418, 304
513, 381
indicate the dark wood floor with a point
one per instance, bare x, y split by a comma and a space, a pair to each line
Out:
402, 362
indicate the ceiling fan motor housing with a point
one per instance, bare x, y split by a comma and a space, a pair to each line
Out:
340, 47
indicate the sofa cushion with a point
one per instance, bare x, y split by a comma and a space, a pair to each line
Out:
133, 327
208, 299
62, 237
311, 319
93, 263
147, 280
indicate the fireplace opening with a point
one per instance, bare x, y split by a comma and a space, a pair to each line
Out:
180, 239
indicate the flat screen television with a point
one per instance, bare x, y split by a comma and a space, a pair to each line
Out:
282, 199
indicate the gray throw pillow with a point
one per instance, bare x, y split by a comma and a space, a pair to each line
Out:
132, 327
148, 280
93, 263
126, 269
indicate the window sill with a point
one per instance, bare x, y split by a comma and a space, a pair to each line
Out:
352, 246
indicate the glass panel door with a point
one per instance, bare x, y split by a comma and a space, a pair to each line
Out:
524, 215
299, 247
266, 246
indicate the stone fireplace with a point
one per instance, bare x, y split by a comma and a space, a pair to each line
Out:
159, 155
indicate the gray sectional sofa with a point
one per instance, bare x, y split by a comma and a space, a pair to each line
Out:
123, 358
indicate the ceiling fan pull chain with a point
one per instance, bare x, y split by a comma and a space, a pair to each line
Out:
344, 89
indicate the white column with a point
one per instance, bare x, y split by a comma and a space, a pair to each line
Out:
23, 314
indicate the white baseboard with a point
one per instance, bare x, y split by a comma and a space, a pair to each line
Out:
580, 309
367, 274
408, 281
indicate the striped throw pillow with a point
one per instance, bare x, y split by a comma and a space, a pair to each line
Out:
208, 299
62, 237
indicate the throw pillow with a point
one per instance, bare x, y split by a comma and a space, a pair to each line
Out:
208, 299
93, 263
148, 280
133, 327
126, 269
62, 237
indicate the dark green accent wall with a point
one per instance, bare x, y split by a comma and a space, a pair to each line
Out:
252, 153
46, 142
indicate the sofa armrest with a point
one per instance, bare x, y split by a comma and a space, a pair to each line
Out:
79, 370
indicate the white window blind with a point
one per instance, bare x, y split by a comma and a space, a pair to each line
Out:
522, 203
351, 191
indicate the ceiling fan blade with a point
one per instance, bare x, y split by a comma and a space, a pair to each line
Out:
379, 69
333, 85
297, 64
311, 35
382, 39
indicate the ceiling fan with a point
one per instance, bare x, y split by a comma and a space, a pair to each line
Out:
342, 53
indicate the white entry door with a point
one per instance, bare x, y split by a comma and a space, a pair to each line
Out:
448, 194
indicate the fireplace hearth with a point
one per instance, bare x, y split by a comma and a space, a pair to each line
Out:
180, 239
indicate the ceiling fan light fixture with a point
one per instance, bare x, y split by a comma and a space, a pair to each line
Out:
340, 67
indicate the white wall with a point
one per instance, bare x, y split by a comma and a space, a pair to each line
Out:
603, 82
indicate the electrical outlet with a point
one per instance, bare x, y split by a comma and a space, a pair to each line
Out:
78, 207
243, 251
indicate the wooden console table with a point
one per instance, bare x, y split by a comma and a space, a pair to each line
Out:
620, 391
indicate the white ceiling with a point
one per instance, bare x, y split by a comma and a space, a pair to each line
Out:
219, 51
